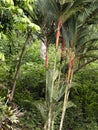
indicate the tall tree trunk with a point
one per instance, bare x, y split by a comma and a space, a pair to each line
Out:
10, 97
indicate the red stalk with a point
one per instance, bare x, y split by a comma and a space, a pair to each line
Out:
58, 33
70, 64
70, 67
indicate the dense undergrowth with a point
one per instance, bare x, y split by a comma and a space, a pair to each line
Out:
30, 90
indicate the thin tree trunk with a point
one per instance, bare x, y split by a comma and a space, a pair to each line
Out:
10, 98
46, 60
46, 64
58, 33
67, 91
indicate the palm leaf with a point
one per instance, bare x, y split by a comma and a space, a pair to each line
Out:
42, 107
58, 92
49, 76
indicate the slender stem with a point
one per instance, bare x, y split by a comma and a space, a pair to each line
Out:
52, 128
46, 60
58, 32
18, 69
46, 94
70, 67
46, 64
49, 117
64, 106
67, 91
52, 86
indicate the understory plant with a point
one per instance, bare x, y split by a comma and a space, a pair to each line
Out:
9, 117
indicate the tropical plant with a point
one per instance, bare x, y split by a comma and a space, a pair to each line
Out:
75, 20
18, 23
9, 117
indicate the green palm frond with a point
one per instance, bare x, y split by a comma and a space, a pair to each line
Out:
89, 15
58, 92
57, 107
76, 6
42, 107
70, 12
69, 31
48, 10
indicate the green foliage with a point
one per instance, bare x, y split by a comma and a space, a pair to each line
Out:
84, 95
8, 116
79, 26
14, 16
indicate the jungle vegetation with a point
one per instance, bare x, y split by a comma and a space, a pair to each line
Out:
49, 64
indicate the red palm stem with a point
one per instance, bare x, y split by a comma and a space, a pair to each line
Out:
58, 33
69, 69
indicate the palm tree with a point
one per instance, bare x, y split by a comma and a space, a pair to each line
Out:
74, 21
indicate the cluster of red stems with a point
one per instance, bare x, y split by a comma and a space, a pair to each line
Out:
62, 51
